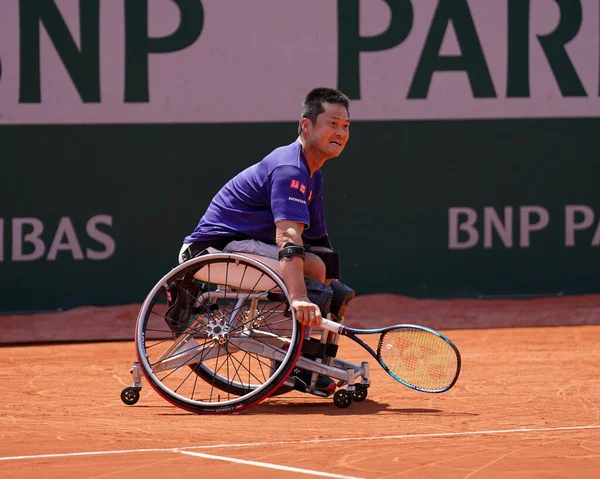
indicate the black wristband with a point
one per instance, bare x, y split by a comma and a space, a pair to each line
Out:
290, 250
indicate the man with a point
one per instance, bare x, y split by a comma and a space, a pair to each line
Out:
283, 196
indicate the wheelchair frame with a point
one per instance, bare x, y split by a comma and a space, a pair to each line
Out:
240, 326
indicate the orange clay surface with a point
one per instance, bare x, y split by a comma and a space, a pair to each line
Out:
527, 405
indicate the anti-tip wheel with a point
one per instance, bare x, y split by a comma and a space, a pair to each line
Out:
130, 395
360, 392
342, 398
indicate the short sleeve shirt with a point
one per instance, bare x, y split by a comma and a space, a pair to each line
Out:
277, 188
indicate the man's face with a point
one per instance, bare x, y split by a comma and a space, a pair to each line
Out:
329, 134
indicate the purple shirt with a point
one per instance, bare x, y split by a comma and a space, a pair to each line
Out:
277, 188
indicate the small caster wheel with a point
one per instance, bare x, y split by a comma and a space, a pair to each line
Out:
342, 398
130, 395
360, 392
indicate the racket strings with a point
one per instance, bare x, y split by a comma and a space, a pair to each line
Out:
419, 358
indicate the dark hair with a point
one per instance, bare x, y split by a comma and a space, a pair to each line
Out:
313, 103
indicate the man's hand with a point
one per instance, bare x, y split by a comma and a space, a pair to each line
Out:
307, 313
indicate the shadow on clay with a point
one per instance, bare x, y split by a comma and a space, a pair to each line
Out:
326, 408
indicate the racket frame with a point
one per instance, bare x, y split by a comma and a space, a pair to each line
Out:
352, 334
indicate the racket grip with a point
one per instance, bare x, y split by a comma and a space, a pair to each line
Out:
331, 326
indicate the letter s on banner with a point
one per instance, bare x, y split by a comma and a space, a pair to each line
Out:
102, 238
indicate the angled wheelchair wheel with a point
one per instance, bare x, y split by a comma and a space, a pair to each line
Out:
216, 334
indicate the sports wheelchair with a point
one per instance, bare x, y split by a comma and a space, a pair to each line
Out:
217, 335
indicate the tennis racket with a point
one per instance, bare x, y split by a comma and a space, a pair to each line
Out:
416, 356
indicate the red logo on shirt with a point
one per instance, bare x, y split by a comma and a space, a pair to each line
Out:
302, 188
295, 184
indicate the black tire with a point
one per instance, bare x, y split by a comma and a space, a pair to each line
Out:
130, 395
223, 357
342, 398
360, 393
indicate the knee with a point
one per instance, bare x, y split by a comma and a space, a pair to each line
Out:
342, 295
314, 268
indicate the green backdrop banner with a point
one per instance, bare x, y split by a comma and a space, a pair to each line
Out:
95, 215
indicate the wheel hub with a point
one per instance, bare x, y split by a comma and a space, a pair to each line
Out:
218, 330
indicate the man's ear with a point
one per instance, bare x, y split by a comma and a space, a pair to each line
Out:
305, 123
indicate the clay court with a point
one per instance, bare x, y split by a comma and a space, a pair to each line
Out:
526, 405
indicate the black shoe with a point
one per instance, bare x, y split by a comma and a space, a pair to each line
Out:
324, 383
181, 295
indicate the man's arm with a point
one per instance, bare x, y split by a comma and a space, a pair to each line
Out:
307, 313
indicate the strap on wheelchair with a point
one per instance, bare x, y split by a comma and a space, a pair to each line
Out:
312, 348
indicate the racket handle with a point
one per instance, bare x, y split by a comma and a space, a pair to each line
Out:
331, 326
